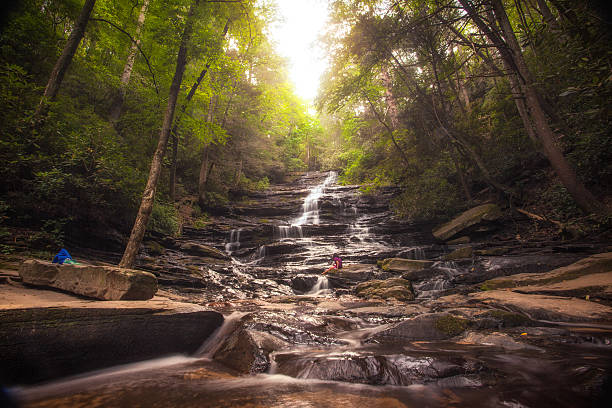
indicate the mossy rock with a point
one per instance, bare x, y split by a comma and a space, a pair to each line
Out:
508, 319
154, 248
460, 253
398, 288
451, 325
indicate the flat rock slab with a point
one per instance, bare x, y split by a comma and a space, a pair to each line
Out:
100, 282
404, 265
597, 284
599, 264
476, 215
55, 335
543, 307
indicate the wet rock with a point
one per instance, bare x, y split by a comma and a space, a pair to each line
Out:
597, 264
460, 240
493, 251
397, 288
433, 326
494, 339
350, 274
100, 282
474, 216
45, 343
492, 267
460, 253
542, 307
194, 248
403, 265
248, 351
393, 369
303, 283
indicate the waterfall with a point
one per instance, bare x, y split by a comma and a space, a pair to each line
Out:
320, 287
310, 211
234, 242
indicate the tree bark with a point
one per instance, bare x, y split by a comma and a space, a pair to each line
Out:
511, 52
63, 62
148, 197
546, 13
129, 65
175, 128
203, 178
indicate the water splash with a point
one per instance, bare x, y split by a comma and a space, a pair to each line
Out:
321, 287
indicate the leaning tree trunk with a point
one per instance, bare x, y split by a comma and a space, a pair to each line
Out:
129, 65
547, 137
148, 196
63, 62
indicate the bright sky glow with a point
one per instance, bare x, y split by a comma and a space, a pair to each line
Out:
302, 21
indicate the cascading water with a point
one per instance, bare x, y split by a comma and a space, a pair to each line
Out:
234, 242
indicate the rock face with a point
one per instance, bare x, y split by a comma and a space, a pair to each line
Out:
100, 282
476, 215
44, 343
404, 265
397, 288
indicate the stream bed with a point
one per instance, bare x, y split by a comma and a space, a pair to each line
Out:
293, 338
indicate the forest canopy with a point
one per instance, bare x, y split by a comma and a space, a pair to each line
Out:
455, 101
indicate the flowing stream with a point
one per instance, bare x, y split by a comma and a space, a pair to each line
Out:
309, 344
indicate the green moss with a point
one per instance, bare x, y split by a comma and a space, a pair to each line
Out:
508, 319
451, 325
497, 284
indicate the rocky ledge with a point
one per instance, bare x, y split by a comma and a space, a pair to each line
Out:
46, 334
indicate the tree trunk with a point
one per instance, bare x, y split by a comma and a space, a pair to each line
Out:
546, 13
175, 129
129, 65
546, 136
148, 197
63, 62
202, 181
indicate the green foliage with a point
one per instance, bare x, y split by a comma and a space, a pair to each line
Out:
164, 219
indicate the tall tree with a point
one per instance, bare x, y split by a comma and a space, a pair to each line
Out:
63, 62
129, 65
148, 197
535, 117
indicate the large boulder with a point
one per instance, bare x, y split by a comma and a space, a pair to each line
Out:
476, 215
404, 265
397, 288
248, 351
67, 338
100, 282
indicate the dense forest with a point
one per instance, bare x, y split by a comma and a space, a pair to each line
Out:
166, 112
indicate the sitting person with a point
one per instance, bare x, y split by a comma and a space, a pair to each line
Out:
337, 264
